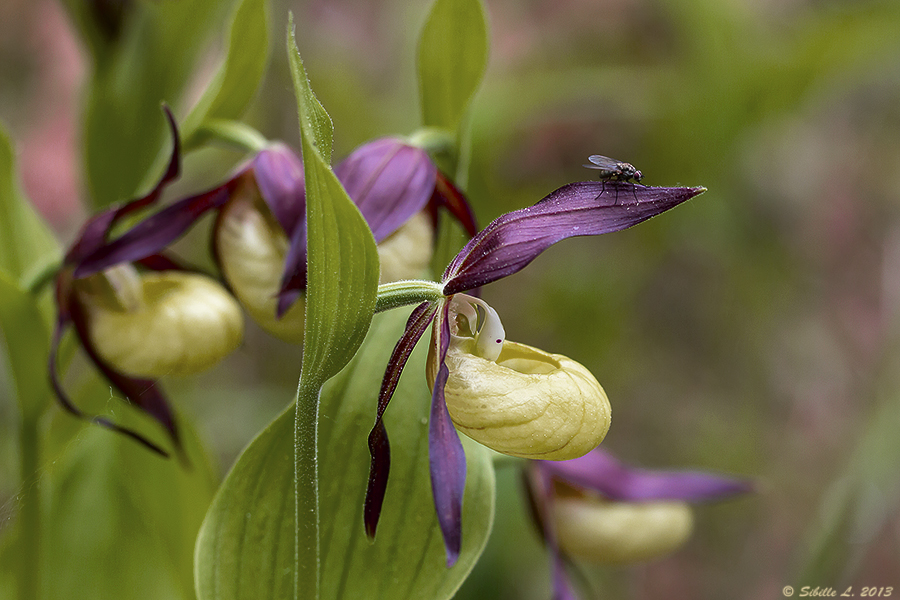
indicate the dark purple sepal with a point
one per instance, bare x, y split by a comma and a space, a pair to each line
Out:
601, 472
451, 198
389, 181
513, 240
539, 493
141, 392
154, 233
93, 234
447, 460
379, 447
279, 176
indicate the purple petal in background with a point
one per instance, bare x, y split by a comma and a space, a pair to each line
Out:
446, 457
389, 181
513, 240
379, 448
293, 279
601, 472
279, 177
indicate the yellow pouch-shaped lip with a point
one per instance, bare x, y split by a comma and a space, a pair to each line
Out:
528, 403
251, 247
171, 323
602, 531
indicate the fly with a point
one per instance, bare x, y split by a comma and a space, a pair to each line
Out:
613, 170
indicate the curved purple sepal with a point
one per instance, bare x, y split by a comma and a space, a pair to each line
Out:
389, 181
513, 240
154, 233
600, 471
93, 234
379, 447
141, 392
447, 460
279, 177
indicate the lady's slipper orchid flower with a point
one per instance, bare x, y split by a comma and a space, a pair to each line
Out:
510, 397
597, 509
136, 326
260, 245
398, 190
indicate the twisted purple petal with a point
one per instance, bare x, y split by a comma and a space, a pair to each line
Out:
513, 240
446, 457
154, 233
141, 392
389, 181
379, 448
601, 472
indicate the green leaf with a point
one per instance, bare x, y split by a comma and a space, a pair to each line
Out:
151, 61
341, 284
118, 517
246, 546
857, 506
315, 124
238, 79
26, 331
452, 57
27, 246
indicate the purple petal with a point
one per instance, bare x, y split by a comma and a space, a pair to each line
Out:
389, 181
447, 460
93, 234
379, 448
154, 233
513, 240
451, 197
293, 279
279, 176
141, 392
601, 472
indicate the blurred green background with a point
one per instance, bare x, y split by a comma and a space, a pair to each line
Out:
752, 331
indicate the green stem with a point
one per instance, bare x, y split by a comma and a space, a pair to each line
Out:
235, 133
404, 293
29, 572
306, 490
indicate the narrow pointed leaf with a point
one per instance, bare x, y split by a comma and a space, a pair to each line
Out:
27, 246
341, 283
342, 261
240, 74
452, 57
315, 124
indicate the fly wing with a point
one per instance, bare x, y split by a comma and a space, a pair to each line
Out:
607, 166
602, 163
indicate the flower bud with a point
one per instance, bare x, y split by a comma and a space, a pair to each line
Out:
159, 323
528, 403
602, 531
251, 248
